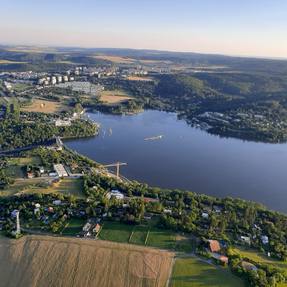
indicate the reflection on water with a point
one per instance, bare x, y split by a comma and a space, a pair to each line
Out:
178, 156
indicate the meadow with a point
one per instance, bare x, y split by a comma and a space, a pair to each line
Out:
191, 271
43, 106
114, 97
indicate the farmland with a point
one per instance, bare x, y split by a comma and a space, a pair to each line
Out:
137, 78
115, 59
50, 261
191, 271
2, 61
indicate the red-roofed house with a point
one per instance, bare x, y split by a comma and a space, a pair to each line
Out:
214, 245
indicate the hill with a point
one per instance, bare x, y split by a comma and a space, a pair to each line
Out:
52, 261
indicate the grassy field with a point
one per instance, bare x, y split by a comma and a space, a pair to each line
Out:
55, 261
24, 186
138, 234
163, 239
114, 97
74, 227
44, 106
42, 185
261, 258
191, 271
115, 231
33, 160
65, 186
69, 186
15, 171
19, 87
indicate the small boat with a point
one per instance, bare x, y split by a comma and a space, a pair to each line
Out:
154, 138
110, 131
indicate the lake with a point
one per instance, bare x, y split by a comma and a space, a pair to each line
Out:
189, 158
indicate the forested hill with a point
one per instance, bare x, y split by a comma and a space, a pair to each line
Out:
249, 106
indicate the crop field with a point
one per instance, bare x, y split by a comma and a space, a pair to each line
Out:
43, 106
194, 272
116, 59
114, 97
137, 78
127, 60
53, 261
3, 61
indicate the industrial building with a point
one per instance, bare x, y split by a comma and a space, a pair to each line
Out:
60, 170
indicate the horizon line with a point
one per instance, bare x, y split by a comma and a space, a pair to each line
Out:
147, 49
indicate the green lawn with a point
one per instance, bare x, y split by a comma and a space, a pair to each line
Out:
191, 271
74, 227
116, 231
139, 235
159, 238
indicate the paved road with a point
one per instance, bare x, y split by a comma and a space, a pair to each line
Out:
16, 151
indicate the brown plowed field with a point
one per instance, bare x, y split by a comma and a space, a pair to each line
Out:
52, 261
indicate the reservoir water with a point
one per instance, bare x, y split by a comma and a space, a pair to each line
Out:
189, 158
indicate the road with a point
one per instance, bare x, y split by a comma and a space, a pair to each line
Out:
16, 151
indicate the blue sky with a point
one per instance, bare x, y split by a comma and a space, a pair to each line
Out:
236, 27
